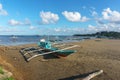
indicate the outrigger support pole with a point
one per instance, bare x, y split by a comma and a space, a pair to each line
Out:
51, 52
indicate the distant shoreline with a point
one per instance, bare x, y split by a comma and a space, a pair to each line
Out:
103, 34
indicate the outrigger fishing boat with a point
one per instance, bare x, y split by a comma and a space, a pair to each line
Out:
45, 47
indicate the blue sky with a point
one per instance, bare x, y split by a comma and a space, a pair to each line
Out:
58, 17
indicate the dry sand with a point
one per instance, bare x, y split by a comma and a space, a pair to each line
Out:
91, 55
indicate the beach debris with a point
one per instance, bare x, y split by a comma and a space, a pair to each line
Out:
14, 58
92, 75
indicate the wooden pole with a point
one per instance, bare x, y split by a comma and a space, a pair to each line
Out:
90, 76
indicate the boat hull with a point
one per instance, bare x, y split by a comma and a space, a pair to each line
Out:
64, 53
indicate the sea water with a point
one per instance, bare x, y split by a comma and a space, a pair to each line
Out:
19, 40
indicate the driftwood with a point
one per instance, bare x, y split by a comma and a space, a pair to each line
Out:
90, 76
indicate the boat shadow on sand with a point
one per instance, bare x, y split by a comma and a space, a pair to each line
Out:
81, 76
50, 56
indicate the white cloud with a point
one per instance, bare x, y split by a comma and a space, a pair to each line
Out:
94, 13
84, 19
48, 17
0, 6
5, 29
32, 27
109, 21
57, 29
14, 22
92, 28
103, 27
2, 11
74, 16
112, 16
67, 30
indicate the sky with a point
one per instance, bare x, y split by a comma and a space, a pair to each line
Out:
58, 17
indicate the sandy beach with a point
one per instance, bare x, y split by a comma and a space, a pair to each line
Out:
91, 55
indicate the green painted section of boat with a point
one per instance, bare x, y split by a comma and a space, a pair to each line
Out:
47, 45
65, 53
53, 49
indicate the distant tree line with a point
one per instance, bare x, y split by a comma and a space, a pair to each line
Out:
102, 34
